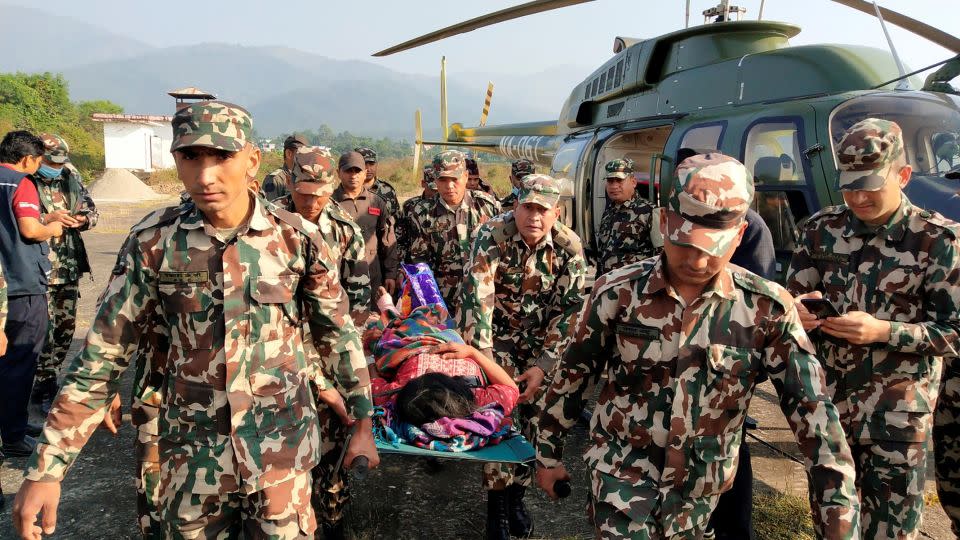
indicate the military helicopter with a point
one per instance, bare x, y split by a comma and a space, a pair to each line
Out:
738, 87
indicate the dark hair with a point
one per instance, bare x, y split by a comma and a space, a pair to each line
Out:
683, 154
17, 145
430, 396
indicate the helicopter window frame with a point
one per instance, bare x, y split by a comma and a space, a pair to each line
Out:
723, 131
793, 193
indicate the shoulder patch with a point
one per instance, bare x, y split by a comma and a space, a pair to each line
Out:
502, 228
951, 227
567, 239
761, 286
164, 216
624, 274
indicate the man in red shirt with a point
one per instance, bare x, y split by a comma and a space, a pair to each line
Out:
23, 255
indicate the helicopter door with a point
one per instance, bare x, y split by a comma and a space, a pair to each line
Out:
645, 148
567, 166
774, 149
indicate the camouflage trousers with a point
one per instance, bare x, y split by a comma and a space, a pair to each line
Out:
148, 485
946, 444
609, 513
497, 476
331, 492
277, 512
62, 305
890, 479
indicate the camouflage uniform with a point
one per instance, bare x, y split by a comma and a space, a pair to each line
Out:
440, 235
624, 236
68, 259
314, 173
666, 429
520, 302
275, 184
906, 272
403, 222
236, 421
381, 187
518, 169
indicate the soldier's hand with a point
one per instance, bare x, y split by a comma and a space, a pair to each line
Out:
56, 229
114, 416
62, 216
547, 478
3, 342
532, 378
807, 319
857, 327
455, 350
362, 444
36, 498
333, 399
391, 285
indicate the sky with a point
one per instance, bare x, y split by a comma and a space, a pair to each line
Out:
577, 38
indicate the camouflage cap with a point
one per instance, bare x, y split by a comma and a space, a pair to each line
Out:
710, 196
212, 124
619, 168
55, 148
314, 171
539, 189
451, 163
295, 141
429, 177
369, 156
521, 168
867, 152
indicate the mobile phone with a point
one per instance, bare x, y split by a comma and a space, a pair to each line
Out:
820, 307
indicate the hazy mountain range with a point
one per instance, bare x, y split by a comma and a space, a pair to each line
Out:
285, 89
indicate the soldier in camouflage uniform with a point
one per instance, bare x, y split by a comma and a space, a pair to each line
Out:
518, 169
275, 184
624, 236
379, 186
523, 290
429, 185
63, 198
893, 271
312, 182
442, 227
227, 278
682, 339
474, 182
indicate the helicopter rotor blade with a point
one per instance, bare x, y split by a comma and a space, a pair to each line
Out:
910, 24
530, 8
417, 143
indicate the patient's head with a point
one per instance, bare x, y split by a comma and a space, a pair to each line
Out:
432, 396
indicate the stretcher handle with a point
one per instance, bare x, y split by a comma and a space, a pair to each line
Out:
360, 467
562, 488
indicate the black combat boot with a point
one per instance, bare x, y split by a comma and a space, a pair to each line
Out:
498, 525
332, 531
521, 524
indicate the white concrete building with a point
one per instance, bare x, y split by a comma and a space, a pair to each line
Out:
136, 141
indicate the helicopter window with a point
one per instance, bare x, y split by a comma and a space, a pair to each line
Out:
619, 74
772, 152
703, 138
931, 141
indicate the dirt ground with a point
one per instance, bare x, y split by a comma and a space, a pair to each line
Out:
404, 498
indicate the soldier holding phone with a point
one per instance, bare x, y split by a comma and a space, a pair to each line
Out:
886, 276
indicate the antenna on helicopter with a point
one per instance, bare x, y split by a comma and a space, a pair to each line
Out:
760, 15
721, 12
686, 20
904, 83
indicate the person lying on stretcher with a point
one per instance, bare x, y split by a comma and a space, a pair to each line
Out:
427, 374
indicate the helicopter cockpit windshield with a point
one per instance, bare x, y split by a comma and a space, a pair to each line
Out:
931, 140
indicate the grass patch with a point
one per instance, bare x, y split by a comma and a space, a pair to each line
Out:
782, 517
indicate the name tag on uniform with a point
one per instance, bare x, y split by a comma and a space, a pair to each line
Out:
637, 331
184, 277
373, 211
830, 257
